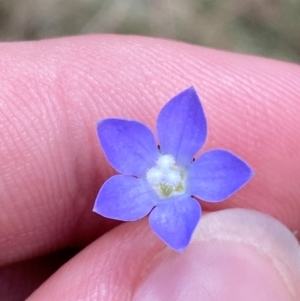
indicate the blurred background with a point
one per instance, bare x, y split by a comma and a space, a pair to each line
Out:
264, 27
269, 28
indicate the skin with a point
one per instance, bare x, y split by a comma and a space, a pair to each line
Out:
52, 94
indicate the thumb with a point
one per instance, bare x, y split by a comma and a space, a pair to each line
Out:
235, 254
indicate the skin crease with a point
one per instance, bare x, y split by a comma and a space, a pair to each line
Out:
53, 92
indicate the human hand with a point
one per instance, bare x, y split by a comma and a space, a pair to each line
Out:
53, 93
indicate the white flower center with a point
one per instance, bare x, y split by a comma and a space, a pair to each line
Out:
166, 177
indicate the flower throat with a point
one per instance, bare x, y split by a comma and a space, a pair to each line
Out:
166, 178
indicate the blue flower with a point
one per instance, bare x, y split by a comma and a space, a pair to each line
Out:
165, 180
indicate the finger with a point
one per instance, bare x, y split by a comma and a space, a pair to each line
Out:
54, 92
236, 254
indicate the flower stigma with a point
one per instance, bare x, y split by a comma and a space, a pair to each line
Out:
167, 178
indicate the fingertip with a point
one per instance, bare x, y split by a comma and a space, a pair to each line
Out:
53, 165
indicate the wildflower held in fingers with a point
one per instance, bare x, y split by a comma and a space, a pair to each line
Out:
164, 180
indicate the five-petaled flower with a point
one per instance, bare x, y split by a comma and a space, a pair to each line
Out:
165, 180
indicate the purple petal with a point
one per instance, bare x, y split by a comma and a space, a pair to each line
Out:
174, 222
181, 127
129, 146
218, 174
125, 198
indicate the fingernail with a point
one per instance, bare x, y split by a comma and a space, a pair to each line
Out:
235, 254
